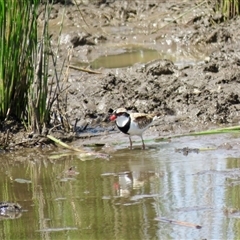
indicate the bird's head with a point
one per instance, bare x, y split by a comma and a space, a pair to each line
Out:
118, 112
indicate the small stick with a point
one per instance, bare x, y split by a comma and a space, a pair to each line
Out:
83, 153
186, 224
83, 69
64, 144
6, 139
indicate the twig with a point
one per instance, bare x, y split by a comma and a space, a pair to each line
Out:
84, 69
82, 16
186, 224
6, 139
182, 15
56, 126
83, 153
64, 144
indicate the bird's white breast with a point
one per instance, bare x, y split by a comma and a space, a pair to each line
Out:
122, 121
135, 130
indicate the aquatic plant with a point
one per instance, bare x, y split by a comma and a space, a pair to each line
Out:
18, 42
23, 73
25, 53
229, 8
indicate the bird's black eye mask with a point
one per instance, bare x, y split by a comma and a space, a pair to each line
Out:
110, 111
122, 114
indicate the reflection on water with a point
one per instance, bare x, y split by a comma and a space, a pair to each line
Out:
121, 60
133, 55
126, 59
120, 198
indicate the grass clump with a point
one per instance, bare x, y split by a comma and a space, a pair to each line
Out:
25, 55
18, 40
229, 8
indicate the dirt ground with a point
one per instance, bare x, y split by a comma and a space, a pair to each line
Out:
190, 96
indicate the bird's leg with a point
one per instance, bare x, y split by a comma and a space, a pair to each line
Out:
143, 145
130, 140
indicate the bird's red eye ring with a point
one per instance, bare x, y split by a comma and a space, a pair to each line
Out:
113, 117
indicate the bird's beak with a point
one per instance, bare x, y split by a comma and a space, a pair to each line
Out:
113, 117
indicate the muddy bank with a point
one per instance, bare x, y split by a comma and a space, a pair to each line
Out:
196, 88
189, 96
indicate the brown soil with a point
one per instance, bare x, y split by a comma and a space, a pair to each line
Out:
189, 96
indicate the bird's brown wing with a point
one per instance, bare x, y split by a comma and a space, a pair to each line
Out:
142, 119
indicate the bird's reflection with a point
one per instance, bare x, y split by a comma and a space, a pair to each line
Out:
129, 182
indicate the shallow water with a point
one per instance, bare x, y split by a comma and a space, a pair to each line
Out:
124, 197
136, 54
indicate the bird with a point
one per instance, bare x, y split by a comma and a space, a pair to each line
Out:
132, 123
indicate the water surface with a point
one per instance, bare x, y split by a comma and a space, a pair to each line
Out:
122, 198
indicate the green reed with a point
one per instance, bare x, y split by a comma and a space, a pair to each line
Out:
24, 63
37, 107
229, 8
18, 37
